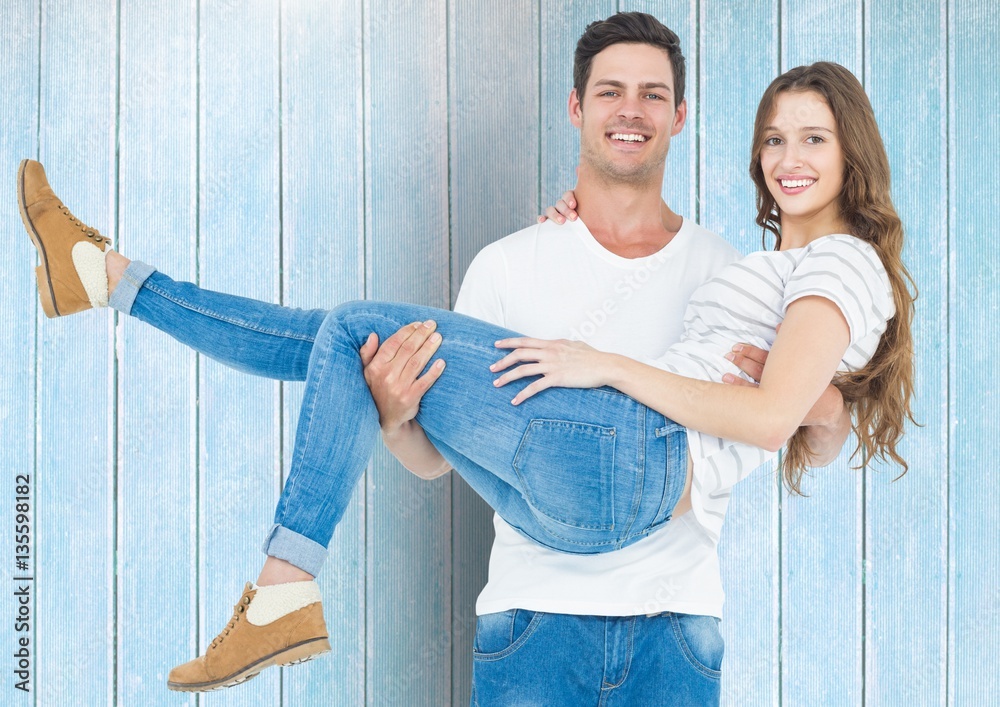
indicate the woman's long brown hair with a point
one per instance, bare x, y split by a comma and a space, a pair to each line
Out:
879, 395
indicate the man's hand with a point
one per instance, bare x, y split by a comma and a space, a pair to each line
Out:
827, 424
748, 359
392, 372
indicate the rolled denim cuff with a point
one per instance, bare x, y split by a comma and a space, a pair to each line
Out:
128, 288
284, 544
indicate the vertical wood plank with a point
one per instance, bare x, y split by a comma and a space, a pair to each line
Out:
906, 535
974, 379
406, 194
559, 141
75, 480
157, 384
680, 183
323, 248
494, 134
822, 535
239, 471
739, 57
19, 34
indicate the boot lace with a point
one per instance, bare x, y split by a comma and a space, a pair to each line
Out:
240, 608
87, 230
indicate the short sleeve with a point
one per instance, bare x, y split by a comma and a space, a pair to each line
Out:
482, 292
848, 272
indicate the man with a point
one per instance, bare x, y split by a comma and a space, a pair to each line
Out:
638, 626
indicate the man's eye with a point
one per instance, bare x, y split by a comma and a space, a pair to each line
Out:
654, 96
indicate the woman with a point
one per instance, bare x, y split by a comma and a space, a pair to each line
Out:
602, 459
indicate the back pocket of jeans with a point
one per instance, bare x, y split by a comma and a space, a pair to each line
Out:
567, 471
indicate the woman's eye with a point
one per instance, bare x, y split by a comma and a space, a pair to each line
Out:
773, 141
814, 140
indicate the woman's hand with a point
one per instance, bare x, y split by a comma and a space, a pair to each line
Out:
564, 209
560, 363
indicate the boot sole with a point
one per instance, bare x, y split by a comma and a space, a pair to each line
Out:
299, 653
45, 292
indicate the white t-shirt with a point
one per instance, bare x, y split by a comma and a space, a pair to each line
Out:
744, 303
552, 281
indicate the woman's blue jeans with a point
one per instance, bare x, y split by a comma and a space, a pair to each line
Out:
578, 470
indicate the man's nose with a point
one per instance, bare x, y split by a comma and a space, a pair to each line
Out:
630, 107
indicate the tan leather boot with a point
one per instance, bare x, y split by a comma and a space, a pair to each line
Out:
71, 277
242, 649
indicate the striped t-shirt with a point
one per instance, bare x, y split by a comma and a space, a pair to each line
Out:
744, 303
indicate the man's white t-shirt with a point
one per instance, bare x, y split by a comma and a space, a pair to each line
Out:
558, 282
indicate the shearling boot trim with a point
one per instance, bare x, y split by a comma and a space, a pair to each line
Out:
88, 260
274, 601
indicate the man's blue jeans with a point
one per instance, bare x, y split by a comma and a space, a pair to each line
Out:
555, 660
580, 471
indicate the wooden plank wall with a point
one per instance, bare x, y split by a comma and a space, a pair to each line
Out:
310, 153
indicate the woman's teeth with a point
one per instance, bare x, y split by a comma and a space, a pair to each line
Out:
793, 183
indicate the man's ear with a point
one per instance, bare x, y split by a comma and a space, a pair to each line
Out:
680, 116
575, 109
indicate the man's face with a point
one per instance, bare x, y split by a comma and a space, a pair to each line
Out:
626, 116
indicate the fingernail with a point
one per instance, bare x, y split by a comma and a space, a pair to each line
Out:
728, 378
738, 347
435, 337
493, 366
439, 363
731, 357
429, 323
496, 383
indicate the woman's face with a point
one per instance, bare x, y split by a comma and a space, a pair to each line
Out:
803, 166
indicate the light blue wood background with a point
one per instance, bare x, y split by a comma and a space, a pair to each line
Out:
312, 152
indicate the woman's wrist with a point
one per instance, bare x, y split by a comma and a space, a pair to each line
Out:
615, 370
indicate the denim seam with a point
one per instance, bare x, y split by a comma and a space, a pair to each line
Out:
607, 687
228, 320
307, 437
671, 492
640, 474
516, 645
686, 651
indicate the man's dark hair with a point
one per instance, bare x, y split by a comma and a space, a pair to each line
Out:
627, 28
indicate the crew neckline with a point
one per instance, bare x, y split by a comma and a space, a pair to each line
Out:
676, 243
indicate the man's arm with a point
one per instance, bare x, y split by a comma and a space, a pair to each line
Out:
828, 423
392, 372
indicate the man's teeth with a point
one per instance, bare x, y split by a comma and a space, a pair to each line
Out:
628, 137
792, 183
